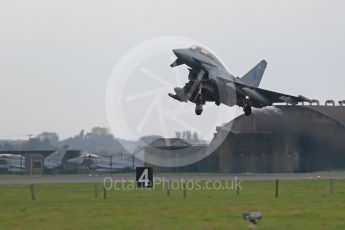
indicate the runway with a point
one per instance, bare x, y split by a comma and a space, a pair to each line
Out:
16, 179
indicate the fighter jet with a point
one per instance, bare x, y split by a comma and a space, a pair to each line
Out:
209, 81
100, 163
54, 160
13, 163
16, 162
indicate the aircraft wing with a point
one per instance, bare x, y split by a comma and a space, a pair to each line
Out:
265, 97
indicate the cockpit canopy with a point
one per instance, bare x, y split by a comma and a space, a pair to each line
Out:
199, 49
205, 52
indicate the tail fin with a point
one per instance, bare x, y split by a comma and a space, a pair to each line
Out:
58, 155
254, 76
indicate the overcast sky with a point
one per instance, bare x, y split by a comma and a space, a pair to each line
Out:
56, 57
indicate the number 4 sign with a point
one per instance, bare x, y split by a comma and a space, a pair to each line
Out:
144, 177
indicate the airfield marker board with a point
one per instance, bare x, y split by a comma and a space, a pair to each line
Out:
144, 177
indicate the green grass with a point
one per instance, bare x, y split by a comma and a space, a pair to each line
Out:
302, 204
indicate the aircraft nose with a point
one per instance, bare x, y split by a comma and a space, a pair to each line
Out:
179, 52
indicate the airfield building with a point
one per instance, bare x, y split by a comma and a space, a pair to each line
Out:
284, 138
281, 138
173, 150
34, 160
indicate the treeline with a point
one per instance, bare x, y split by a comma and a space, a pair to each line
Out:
98, 140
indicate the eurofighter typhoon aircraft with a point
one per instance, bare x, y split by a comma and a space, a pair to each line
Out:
54, 160
210, 81
101, 164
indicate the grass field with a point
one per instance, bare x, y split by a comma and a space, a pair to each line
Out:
302, 204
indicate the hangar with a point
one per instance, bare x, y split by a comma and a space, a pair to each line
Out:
284, 138
280, 138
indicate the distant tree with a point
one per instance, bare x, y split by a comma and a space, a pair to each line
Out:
99, 131
178, 134
195, 137
99, 140
7, 146
37, 144
188, 136
51, 136
81, 134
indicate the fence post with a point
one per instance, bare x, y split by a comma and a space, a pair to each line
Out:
95, 189
277, 188
184, 190
331, 186
111, 165
104, 193
32, 191
237, 186
237, 189
169, 187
